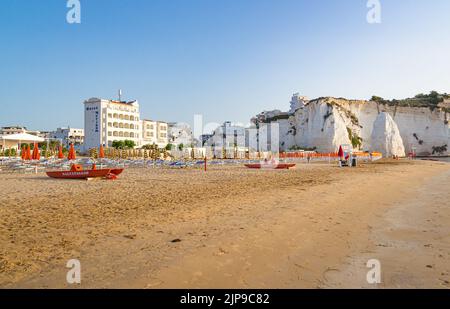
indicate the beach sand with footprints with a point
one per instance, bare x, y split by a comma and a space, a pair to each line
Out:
230, 227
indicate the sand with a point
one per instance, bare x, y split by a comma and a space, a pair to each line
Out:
312, 227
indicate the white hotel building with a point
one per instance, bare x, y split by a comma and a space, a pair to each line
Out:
155, 132
106, 121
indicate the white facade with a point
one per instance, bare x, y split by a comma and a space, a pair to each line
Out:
297, 101
154, 132
228, 136
180, 133
69, 136
106, 121
13, 130
20, 130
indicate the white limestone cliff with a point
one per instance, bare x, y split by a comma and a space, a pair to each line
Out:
386, 137
325, 123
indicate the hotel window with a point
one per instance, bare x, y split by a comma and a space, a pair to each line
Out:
132, 118
121, 116
131, 134
115, 116
148, 127
121, 125
126, 126
109, 115
109, 133
126, 117
148, 134
126, 134
132, 126
116, 133
120, 134
115, 125
109, 124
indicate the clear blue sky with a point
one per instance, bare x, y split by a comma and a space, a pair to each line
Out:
227, 59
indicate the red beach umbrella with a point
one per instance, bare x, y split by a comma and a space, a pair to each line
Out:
32, 152
101, 153
35, 150
28, 153
38, 153
71, 155
341, 152
23, 152
60, 153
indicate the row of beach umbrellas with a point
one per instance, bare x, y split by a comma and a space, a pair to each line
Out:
27, 155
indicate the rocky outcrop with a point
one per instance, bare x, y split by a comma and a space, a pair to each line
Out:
326, 123
386, 137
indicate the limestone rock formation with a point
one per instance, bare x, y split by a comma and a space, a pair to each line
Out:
386, 137
324, 123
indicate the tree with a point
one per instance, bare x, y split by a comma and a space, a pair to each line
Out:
129, 144
434, 94
126, 144
180, 147
169, 147
376, 99
118, 144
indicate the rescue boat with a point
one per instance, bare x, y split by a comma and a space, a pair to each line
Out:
76, 172
279, 166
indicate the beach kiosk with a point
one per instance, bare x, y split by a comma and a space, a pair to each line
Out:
16, 140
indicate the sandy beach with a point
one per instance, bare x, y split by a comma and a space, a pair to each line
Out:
312, 227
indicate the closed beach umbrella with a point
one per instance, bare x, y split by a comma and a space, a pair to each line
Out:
28, 153
23, 153
33, 153
71, 155
35, 150
60, 153
101, 154
37, 154
341, 152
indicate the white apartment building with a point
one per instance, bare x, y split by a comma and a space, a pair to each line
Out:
180, 133
106, 121
154, 132
69, 136
13, 130
18, 130
228, 135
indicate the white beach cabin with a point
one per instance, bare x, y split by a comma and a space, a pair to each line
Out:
16, 140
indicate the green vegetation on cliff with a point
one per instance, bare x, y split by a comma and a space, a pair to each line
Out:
421, 100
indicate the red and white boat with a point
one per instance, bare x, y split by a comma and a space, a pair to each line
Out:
77, 172
117, 171
276, 166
